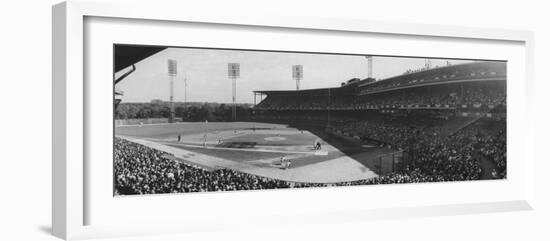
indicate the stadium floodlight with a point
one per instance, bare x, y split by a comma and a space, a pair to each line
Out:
185, 89
172, 67
234, 72
172, 72
297, 74
369, 59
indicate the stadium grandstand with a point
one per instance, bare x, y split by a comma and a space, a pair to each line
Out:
473, 87
444, 119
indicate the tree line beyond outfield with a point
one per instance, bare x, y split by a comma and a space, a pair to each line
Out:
190, 111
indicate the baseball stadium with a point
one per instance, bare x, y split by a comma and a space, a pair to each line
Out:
432, 124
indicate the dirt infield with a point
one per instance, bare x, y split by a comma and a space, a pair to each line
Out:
257, 148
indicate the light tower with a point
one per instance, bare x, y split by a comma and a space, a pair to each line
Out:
297, 74
185, 89
369, 59
172, 73
234, 72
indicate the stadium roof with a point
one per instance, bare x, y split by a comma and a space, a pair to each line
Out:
321, 91
127, 55
362, 84
348, 87
433, 70
312, 92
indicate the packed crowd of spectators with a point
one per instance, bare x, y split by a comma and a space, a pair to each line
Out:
471, 96
490, 140
435, 153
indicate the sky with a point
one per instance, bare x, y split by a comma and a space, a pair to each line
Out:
206, 72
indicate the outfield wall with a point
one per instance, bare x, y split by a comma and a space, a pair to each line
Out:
126, 122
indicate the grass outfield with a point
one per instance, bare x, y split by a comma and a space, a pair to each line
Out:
162, 131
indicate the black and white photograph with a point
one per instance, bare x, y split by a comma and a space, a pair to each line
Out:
191, 119
275, 120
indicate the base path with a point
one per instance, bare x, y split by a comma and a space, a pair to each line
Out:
341, 169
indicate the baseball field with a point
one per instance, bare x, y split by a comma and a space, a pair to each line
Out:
259, 148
